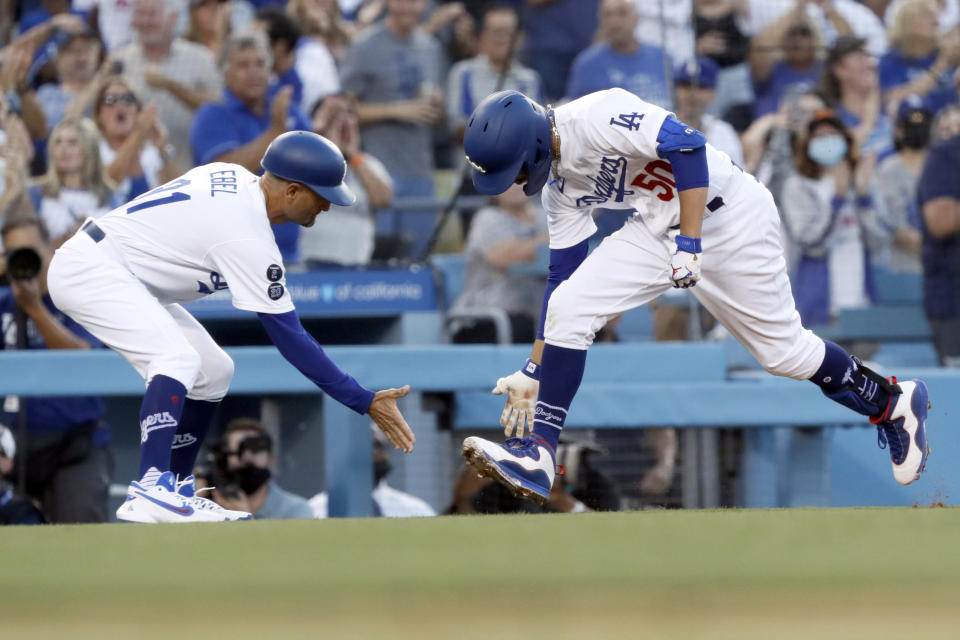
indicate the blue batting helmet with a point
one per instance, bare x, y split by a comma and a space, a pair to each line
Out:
508, 133
311, 160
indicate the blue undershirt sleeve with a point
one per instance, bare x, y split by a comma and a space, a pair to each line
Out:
563, 262
689, 168
305, 353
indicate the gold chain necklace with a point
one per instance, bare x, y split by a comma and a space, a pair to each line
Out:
554, 145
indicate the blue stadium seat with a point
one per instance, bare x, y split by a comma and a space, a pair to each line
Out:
452, 267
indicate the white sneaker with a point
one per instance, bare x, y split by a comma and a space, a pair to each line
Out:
160, 503
188, 489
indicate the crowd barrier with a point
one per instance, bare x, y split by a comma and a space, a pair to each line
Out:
625, 386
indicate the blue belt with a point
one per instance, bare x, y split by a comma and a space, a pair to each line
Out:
93, 230
712, 206
715, 204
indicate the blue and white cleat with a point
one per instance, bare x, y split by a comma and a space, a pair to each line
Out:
188, 489
902, 426
526, 466
159, 502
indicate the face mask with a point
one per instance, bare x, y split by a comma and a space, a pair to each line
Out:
251, 478
380, 469
916, 136
827, 151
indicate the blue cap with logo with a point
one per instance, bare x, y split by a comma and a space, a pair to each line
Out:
913, 104
701, 72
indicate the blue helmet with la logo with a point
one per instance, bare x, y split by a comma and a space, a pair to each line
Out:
507, 134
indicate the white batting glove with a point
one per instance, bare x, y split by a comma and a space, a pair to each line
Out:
522, 387
685, 263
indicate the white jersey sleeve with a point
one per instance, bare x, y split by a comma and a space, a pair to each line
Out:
255, 274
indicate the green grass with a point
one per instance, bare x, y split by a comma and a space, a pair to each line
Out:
830, 573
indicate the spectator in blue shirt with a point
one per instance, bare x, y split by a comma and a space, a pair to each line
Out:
556, 31
47, 10
620, 60
44, 25
68, 462
250, 115
919, 60
783, 57
938, 194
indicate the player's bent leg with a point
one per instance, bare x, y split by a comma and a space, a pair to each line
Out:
746, 287
203, 399
898, 409
617, 276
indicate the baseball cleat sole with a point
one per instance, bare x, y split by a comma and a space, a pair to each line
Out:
490, 469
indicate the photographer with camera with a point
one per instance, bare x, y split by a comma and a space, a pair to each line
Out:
68, 462
240, 475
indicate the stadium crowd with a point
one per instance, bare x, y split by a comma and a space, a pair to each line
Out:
846, 109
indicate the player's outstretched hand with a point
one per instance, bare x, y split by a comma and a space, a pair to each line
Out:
384, 411
521, 391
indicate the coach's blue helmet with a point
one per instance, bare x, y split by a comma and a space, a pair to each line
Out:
312, 160
508, 133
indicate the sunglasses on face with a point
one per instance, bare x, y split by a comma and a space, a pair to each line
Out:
114, 98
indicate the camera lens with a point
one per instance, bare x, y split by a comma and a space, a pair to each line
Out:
23, 264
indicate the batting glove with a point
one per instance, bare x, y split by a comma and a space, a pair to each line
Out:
685, 263
521, 388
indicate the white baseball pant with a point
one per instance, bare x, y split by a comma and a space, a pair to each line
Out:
744, 284
90, 282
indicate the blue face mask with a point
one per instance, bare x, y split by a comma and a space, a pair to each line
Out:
827, 151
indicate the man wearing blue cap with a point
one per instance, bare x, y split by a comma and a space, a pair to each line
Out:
123, 277
694, 88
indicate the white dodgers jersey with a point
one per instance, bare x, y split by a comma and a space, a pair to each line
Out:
205, 231
608, 159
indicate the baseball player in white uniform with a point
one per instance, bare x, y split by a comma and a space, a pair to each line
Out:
124, 276
700, 221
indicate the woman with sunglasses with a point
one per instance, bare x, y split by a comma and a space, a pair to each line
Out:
134, 146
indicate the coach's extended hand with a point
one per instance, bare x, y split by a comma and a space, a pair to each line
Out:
384, 411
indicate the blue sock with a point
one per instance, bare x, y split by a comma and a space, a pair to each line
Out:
194, 425
842, 381
159, 417
561, 370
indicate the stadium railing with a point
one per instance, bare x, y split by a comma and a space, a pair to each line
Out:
625, 386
